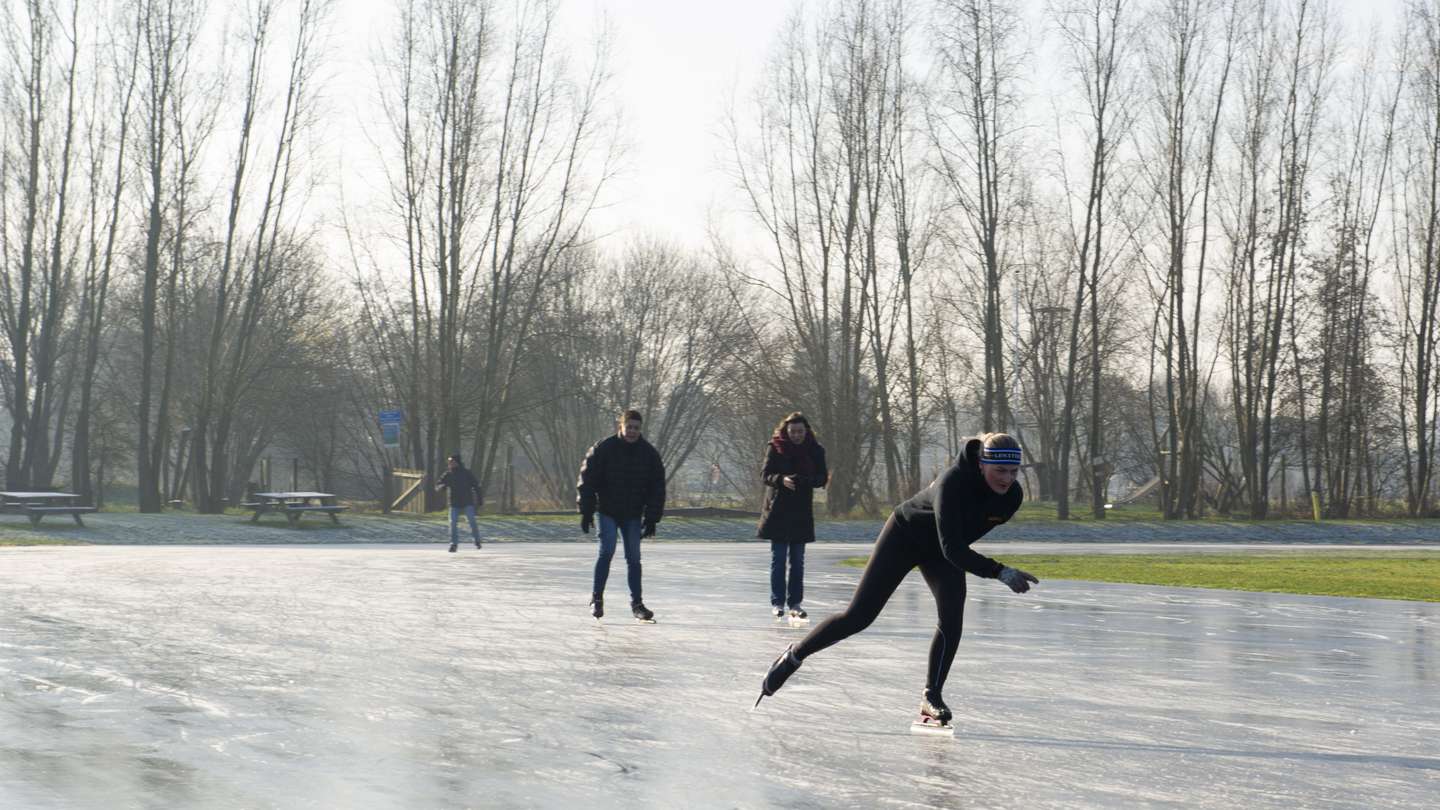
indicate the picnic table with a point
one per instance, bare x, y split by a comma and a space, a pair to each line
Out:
36, 505
294, 505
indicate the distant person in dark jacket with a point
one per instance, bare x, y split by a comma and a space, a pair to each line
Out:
464, 490
933, 531
623, 480
794, 469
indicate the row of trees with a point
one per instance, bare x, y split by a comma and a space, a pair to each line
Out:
1203, 255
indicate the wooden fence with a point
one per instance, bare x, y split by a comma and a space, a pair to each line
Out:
409, 491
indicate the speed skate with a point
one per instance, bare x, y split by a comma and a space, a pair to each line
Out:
925, 724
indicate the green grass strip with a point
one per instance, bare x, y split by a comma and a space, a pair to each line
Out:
21, 540
1395, 575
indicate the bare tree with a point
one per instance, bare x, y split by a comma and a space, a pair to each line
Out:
248, 264
501, 152
170, 112
102, 230
976, 132
1284, 79
1341, 294
814, 181
1418, 279
1099, 35
1189, 66
36, 290
644, 332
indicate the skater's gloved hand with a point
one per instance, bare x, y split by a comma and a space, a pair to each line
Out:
649, 530
586, 521
1018, 580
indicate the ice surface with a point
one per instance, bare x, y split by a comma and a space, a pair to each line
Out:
409, 677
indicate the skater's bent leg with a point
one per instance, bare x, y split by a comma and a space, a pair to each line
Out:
797, 574
890, 561
947, 583
630, 530
606, 537
778, 552
454, 524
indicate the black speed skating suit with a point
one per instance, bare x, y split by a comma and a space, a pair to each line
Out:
932, 531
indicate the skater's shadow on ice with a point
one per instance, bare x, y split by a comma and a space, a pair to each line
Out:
1422, 763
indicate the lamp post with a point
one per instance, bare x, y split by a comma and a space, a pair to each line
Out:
1165, 483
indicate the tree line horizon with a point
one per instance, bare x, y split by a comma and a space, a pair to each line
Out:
1206, 255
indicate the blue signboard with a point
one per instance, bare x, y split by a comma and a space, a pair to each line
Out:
390, 427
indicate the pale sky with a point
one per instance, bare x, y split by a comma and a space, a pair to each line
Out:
678, 65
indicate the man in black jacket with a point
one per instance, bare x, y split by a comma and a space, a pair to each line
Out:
465, 495
623, 479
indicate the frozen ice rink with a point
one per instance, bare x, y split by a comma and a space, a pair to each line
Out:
379, 676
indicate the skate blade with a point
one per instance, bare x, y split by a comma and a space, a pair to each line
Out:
644, 621
798, 622
932, 727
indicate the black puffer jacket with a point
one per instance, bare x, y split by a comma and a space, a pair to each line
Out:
959, 508
622, 480
463, 487
788, 515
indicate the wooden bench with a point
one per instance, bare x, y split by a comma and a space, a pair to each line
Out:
293, 505
35, 513
294, 511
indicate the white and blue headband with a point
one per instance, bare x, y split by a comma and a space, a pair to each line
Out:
1000, 455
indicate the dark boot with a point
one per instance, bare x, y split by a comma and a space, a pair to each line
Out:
780, 671
597, 605
933, 706
641, 612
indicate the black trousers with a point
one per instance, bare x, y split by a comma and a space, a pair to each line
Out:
898, 550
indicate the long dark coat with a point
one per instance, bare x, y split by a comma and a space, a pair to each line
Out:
788, 515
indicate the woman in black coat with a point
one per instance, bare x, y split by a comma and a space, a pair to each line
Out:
794, 468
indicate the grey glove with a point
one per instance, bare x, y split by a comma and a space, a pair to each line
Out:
1017, 580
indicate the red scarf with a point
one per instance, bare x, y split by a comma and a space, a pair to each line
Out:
800, 453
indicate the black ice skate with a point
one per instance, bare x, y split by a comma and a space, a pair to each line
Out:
777, 611
642, 613
597, 606
780, 671
798, 615
934, 715
477, 543
452, 548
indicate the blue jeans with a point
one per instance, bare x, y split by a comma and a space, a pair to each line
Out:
630, 530
778, 552
455, 523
